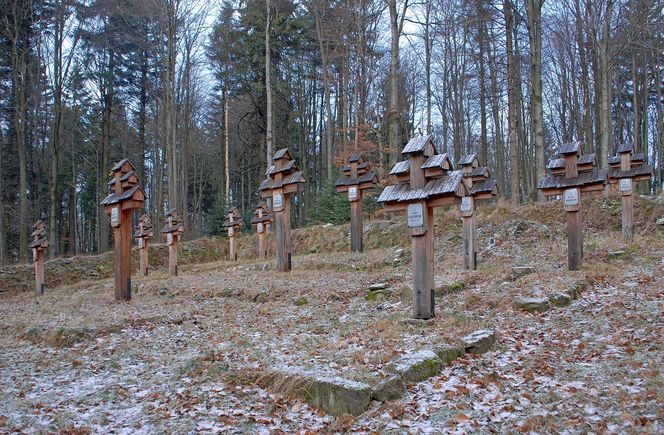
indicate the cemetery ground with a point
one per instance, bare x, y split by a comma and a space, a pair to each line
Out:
228, 346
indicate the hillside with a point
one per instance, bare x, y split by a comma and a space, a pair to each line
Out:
239, 347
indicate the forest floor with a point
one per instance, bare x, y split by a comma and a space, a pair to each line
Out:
183, 355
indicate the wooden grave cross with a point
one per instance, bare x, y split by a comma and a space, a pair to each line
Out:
143, 236
626, 168
479, 187
261, 219
125, 196
571, 175
283, 181
38, 245
423, 182
233, 224
173, 230
357, 177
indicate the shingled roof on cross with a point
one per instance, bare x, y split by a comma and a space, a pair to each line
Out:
237, 218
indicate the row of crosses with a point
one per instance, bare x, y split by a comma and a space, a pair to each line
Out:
424, 181
573, 174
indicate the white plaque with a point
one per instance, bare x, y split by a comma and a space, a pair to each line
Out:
259, 227
140, 242
571, 197
625, 184
231, 231
115, 217
34, 254
278, 201
415, 215
466, 204
352, 193
169, 238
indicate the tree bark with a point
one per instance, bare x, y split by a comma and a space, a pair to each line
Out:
534, 8
512, 112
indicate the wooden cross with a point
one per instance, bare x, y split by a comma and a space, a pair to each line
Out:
143, 235
261, 219
283, 181
480, 187
424, 181
626, 168
357, 177
172, 231
571, 175
124, 196
39, 243
233, 224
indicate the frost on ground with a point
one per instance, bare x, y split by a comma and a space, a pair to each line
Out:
185, 353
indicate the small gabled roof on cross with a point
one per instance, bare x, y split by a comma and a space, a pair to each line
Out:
281, 154
625, 148
237, 218
469, 159
570, 148
441, 161
265, 211
419, 145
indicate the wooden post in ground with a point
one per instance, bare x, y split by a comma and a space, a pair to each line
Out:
233, 225
38, 245
283, 181
125, 196
571, 175
143, 235
261, 219
479, 187
625, 169
357, 177
423, 182
172, 231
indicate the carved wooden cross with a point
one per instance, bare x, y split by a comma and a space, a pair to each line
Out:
571, 175
125, 195
479, 187
39, 243
233, 224
423, 182
283, 181
357, 177
172, 231
143, 236
261, 219
626, 168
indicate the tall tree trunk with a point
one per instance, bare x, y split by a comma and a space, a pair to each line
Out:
268, 87
394, 114
534, 8
512, 106
606, 132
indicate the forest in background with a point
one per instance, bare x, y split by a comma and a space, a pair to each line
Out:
200, 94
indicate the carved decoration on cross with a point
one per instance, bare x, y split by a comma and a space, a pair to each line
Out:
233, 223
626, 168
573, 174
284, 179
357, 177
125, 195
424, 181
